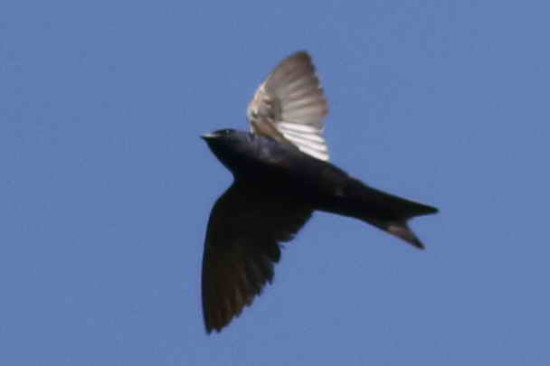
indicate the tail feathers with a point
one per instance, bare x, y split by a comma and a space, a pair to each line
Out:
403, 231
419, 209
379, 204
383, 210
391, 214
400, 206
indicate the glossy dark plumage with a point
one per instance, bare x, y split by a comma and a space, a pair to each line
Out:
282, 175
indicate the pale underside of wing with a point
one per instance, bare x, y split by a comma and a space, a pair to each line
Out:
290, 107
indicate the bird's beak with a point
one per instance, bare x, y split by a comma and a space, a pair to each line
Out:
208, 136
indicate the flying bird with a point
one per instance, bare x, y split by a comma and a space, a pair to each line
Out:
282, 174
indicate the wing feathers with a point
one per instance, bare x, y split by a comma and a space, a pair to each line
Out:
307, 141
242, 247
290, 127
292, 101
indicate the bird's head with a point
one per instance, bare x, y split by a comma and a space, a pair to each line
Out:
223, 134
224, 139
230, 146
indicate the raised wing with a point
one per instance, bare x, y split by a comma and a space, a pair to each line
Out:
242, 246
290, 106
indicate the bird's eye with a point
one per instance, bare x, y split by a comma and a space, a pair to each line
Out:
226, 132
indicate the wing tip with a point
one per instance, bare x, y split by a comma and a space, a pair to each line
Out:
300, 54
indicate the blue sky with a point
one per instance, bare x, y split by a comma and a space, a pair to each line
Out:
105, 186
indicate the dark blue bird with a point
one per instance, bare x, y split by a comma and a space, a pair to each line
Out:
281, 175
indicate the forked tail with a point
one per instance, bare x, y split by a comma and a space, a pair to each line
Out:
385, 211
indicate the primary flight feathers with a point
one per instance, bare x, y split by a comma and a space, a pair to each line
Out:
290, 106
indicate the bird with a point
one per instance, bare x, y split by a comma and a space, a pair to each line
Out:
282, 175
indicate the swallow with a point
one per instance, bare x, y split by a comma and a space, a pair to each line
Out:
282, 174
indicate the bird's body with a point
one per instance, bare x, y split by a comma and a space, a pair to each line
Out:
281, 176
273, 168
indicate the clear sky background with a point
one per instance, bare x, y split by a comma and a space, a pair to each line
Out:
106, 188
